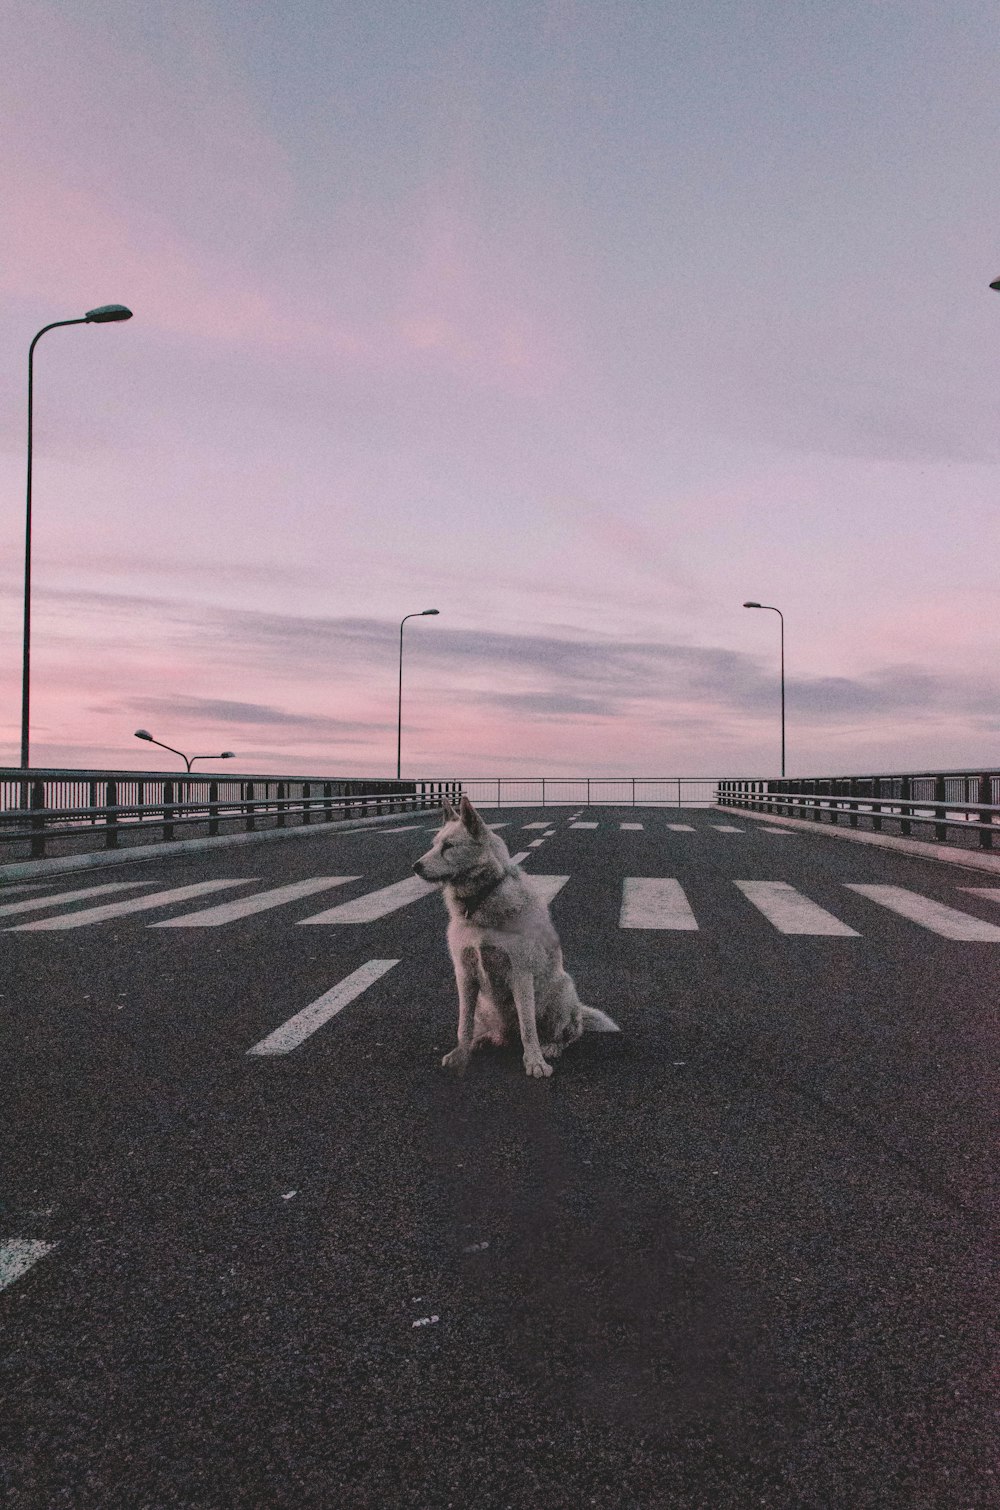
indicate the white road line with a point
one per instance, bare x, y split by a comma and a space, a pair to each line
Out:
374, 904
536, 825
991, 893
33, 903
548, 887
298, 1028
229, 912
521, 856
946, 921
791, 912
534, 843
17, 1255
630, 825
136, 904
583, 825
655, 902
408, 828
726, 828
680, 828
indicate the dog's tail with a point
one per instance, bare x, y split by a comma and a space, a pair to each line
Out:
597, 1022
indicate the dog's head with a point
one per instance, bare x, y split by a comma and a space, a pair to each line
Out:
461, 845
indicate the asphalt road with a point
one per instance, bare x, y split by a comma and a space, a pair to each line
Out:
741, 1255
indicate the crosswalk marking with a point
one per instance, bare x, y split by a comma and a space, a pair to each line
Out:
304, 1023
791, 912
261, 901
630, 825
536, 825
680, 828
655, 902
548, 887
991, 893
726, 828
534, 843
521, 855
935, 916
34, 903
17, 1255
135, 904
375, 904
583, 825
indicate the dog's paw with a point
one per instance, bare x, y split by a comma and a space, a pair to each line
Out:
456, 1060
536, 1067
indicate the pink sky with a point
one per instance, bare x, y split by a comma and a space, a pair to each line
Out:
581, 324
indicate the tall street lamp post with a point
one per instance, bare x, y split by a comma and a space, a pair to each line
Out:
101, 316
399, 722
782, 618
188, 760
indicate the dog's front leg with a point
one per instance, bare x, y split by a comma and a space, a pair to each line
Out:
467, 980
523, 986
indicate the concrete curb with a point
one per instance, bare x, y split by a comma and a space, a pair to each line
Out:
969, 858
20, 870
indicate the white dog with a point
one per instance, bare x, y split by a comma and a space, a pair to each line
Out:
506, 954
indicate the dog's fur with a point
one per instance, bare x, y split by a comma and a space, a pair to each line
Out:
506, 954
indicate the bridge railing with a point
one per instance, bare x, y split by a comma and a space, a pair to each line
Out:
591, 791
950, 803
107, 808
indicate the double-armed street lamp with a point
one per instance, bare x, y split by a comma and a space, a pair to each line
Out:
782, 618
424, 612
104, 315
188, 760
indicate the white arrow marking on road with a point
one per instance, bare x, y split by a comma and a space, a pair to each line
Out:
229, 912
17, 1255
136, 904
935, 916
304, 1023
655, 902
34, 903
791, 912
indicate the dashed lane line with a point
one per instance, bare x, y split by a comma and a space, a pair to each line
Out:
583, 825
135, 904
726, 828
8, 909
300, 1027
791, 912
18, 1254
948, 922
261, 901
680, 828
630, 825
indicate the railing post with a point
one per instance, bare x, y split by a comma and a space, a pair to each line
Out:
282, 805
213, 809
168, 811
940, 828
37, 820
306, 804
498, 791
877, 804
111, 802
248, 807
327, 801
543, 791
905, 793
986, 797
93, 802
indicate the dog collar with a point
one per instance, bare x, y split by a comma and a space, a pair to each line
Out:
472, 904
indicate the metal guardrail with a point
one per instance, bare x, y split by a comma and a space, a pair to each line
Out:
40, 805
965, 801
591, 791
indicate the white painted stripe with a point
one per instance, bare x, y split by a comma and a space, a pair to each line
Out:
583, 825
229, 912
680, 828
534, 843
726, 828
935, 916
407, 828
630, 825
991, 893
791, 912
522, 854
304, 1023
17, 1255
536, 825
655, 902
547, 887
25, 886
33, 903
375, 904
136, 904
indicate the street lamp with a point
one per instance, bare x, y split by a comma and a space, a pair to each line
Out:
399, 724
782, 618
996, 284
189, 762
103, 315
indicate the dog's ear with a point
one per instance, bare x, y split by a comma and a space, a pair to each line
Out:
471, 818
447, 810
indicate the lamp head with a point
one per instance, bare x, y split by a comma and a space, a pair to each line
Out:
426, 611
995, 284
228, 755
143, 734
751, 605
105, 313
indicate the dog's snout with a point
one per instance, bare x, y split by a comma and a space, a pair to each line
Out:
418, 866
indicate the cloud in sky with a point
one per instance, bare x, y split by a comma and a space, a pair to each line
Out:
581, 324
